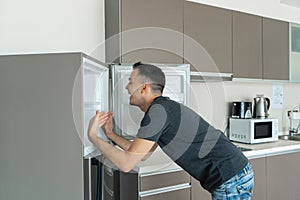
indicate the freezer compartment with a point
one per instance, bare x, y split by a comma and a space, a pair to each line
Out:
118, 185
127, 117
92, 179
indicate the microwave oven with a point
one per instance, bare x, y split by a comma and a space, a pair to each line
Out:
253, 131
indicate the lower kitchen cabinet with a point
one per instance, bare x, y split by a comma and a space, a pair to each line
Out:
163, 185
277, 177
198, 193
260, 180
172, 185
283, 176
178, 194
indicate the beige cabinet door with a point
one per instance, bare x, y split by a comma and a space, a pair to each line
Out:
275, 49
260, 180
198, 193
211, 29
247, 45
163, 42
283, 177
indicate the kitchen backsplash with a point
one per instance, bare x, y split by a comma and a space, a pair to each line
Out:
212, 100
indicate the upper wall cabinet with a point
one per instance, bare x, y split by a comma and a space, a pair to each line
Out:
149, 31
247, 46
208, 38
275, 49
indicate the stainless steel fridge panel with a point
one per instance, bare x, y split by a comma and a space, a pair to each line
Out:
40, 149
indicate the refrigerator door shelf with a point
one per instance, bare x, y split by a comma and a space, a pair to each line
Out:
95, 97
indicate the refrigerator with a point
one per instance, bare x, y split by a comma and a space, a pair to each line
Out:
46, 103
104, 89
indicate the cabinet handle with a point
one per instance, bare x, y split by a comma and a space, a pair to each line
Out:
164, 190
160, 172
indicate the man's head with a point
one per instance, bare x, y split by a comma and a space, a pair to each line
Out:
151, 74
145, 81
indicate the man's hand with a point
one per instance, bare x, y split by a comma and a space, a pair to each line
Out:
95, 123
108, 126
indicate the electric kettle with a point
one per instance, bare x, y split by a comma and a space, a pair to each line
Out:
261, 106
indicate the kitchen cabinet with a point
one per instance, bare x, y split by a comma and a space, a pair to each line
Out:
118, 185
197, 191
247, 45
132, 19
210, 28
167, 185
260, 179
283, 176
260, 47
275, 49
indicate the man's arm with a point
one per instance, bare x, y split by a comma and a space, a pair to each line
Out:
124, 160
120, 141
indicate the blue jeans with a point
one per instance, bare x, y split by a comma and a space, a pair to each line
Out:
239, 187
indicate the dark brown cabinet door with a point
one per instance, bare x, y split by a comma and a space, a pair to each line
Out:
163, 42
211, 29
275, 49
247, 45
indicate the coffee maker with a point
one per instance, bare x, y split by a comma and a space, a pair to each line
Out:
241, 109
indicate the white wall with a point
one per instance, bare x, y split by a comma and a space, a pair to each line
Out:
38, 26
213, 100
266, 8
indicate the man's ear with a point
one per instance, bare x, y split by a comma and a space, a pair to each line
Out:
146, 87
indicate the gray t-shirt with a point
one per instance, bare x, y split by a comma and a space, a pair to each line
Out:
200, 149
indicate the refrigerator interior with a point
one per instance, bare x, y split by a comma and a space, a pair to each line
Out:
95, 97
127, 118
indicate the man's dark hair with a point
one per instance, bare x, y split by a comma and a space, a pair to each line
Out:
151, 74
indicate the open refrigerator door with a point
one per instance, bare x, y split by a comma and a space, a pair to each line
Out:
95, 97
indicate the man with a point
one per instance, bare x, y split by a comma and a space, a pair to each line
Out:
200, 149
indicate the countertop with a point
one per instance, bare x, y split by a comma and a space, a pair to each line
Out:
270, 148
159, 162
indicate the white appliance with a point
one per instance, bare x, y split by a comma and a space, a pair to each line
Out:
253, 131
102, 93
